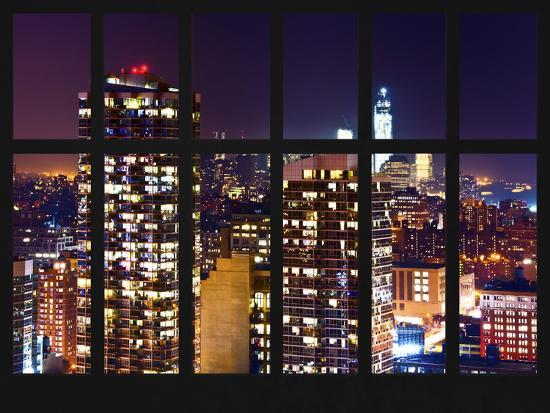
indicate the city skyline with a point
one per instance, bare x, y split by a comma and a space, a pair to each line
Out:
232, 217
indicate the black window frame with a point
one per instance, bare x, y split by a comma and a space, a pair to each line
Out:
276, 391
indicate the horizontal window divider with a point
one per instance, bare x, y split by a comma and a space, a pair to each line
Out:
283, 6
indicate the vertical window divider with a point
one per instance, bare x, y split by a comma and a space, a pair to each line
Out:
451, 193
185, 150
6, 128
97, 196
364, 44
542, 197
276, 191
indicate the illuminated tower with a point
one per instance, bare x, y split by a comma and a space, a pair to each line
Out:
320, 271
381, 307
423, 167
141, 229
141, 263
382, 126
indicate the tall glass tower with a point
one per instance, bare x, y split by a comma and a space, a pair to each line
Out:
382, 126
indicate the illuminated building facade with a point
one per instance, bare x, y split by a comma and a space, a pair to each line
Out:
141, 224
410, 206
57, 289
22, 316
423, 169
477, 215
141, 263
250, 233
320, 284
418, 292
399, 169
84, 279
381, 305
382, 126
509, 318
196, 275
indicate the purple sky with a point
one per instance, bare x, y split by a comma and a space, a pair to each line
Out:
408, 58
320, 74
135, 39
498, 70
230, 64
231, 70
522, 167
51, 64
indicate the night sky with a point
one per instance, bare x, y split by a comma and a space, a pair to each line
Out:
521, 167
320, 75
51, 64
498, 69
135, 39
231, 70
408, 58
230, 64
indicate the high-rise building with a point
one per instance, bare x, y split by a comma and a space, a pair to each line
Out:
57, 288
423, 168
509, 318
22, 316
398, 168
141, 228
141, 263
381, 303
382, 118
320, 272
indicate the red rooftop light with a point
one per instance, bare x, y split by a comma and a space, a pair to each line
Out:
141, 70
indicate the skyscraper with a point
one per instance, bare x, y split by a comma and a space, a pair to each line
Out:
398, 168
382, 126
141, 229
320, 272
423, 170
382, 313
